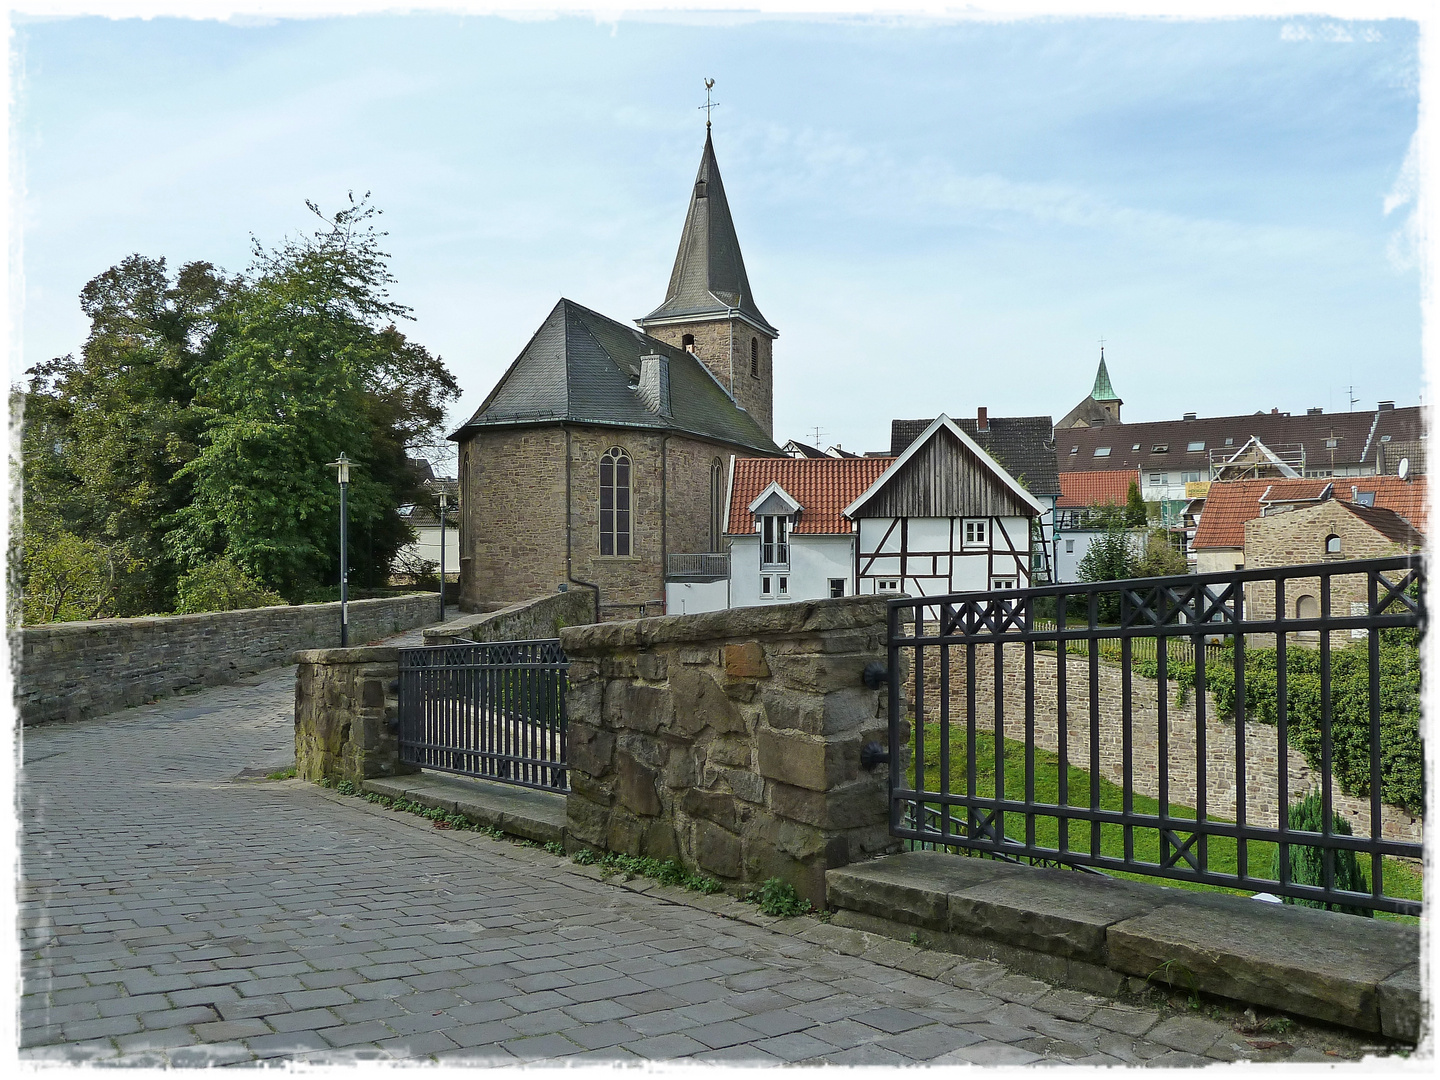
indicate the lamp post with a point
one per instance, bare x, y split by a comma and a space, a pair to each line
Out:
342, 474
444, 497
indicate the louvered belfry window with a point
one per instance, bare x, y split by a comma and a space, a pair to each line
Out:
615, 502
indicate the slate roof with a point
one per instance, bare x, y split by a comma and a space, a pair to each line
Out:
1102, 390
1387, 523
709, 274
1082, 489
1229, 505
580, 367
1021, 444
823, 486
1358, 435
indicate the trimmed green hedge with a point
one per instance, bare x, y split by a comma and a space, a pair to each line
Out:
1401, 756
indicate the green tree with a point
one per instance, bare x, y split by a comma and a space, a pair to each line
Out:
313, 366
1160, 559
1135, 512
1108, 558
222, 586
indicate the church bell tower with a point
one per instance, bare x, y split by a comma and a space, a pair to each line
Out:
708, 308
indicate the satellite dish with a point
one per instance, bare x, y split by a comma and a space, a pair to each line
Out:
1404, 470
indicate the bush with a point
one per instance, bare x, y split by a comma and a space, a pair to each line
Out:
777, 897
1307, 862
64, 577
220, 585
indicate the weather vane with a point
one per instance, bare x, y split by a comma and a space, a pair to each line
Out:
708, 103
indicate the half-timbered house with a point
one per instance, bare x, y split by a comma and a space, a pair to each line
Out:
944, 517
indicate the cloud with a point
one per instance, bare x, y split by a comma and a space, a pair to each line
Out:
1403, 246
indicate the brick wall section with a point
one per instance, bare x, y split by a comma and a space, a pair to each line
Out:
724, 342
1262, 761
67, 671
537, 619
344, 709
513, 498
731, 740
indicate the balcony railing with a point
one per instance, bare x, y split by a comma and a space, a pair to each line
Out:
701, 566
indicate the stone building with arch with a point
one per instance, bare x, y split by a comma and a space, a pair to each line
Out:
604, 449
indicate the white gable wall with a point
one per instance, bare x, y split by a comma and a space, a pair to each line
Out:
929, 557
814, 560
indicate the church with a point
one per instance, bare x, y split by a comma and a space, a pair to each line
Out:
605, 448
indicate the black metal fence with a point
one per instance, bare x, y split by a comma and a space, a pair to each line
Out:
494, 710
1119, 762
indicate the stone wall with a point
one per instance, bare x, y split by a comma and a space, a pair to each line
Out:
731, 740
514, 505
532, 620
345, 710
723, 346
66, 671
1262, 772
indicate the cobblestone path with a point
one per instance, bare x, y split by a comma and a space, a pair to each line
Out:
176, 910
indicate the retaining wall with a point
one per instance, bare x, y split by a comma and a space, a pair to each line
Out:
1262, 758
530, 620
66, 671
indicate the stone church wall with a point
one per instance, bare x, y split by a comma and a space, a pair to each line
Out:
723, 342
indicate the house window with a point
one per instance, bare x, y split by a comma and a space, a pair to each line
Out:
1135, 447
1069, 547
1074, 449
1331, 444
1001, 583
837, 587
764, 586
774, 540
1229, 440
717, 503
754, 358
687, 342
887, 585
1365, 498
1332, 545
615, 502
1159, 478
1102, 451
1190, 478
1193, 447
976, 532
1160, 448
784, 586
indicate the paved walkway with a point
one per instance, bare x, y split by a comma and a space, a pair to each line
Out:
175, 910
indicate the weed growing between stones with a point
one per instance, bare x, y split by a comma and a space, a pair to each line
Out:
669, 872
777, 897
283, 774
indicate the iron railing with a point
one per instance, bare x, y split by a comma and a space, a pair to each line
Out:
1112, 764
699, 566
495, 711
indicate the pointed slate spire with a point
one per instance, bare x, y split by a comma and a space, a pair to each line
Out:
709, 274
1103, 391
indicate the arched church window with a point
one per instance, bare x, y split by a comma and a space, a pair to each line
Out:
615, 503
717, 504
754, 358
1332, 545
688, 343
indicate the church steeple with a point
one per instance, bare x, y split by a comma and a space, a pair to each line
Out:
709, 274
708, 307
1103, 391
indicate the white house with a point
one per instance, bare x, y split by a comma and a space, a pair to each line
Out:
942, 517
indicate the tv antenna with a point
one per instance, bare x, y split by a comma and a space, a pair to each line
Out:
1353, 399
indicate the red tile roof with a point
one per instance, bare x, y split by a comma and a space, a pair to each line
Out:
822, 486
1230, 504
1082, 489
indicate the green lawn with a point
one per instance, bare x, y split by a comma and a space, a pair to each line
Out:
1402, 879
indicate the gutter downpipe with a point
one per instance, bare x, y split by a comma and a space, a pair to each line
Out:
664, 536
568, 526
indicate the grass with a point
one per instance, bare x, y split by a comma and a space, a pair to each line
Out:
1402, 880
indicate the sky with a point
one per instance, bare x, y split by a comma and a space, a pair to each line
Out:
937, 213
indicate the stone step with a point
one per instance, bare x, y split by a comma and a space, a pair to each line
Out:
1361, 973
519, 811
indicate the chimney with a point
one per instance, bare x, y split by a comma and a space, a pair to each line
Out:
1274, 412
1385, 406
1189, 416
982, 419
654, 388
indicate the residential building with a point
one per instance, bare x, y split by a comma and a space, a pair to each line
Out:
603, 449
1088, 500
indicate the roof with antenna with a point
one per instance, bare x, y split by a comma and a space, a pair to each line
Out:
709, 276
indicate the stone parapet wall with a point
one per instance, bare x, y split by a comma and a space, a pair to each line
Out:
1262, 758
531, 620
345, 709
731, 740
67, 671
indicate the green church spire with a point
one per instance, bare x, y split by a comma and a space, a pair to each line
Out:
1103, 390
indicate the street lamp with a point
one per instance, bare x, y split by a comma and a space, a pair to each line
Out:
342, 474
444, 497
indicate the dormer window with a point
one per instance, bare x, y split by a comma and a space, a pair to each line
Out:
1195, 447
1102, 451
775, 542
700, 189
688, 343
1160, 448
1074, 449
